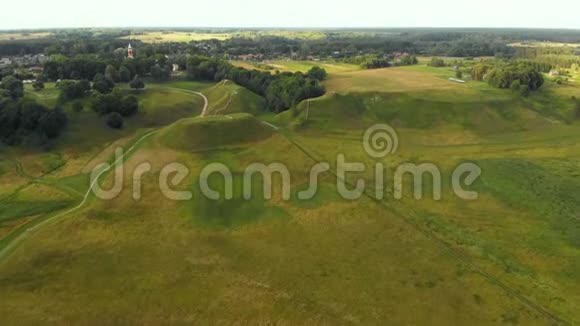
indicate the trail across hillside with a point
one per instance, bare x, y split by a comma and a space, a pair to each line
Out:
205, 100
4, 252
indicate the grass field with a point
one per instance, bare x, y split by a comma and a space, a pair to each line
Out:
295, 66
544, 45
166, 37
180, 36
10, 36
510, 257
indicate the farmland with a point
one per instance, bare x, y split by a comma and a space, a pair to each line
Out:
509, 257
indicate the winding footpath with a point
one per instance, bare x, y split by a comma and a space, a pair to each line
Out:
7, 249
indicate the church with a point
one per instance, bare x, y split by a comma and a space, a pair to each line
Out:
130, 54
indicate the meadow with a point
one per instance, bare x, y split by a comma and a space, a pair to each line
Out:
23, 36
183, 36
166, 37
510, 257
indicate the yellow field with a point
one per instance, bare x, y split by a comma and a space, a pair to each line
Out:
22, 36
161, 37
543, 45
295, 65
389, 80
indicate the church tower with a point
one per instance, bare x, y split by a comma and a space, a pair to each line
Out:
130, 54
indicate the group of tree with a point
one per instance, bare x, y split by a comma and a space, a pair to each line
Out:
436, 62
281, 90
520, 77
79, 67
24, 119
115, 107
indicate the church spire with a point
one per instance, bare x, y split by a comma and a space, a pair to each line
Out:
130, 54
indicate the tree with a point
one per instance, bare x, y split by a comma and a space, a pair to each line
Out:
437, 62
102, 84
407, 60
104, 104
137, 83
479, 71
70, 90
38, 85
14, 86
317, 73
129, 106
111, 73
124, 74
160, 73
52, 123
115, 120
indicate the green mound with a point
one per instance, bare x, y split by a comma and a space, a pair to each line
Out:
231, 98
424, 111
197, 134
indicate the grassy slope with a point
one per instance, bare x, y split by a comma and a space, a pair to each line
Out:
528, 156
327, 261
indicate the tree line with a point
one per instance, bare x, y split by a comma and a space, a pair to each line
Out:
25, 120
281, 90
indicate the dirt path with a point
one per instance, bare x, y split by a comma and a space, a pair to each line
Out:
205, 100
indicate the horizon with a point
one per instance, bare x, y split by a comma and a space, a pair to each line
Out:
297, 28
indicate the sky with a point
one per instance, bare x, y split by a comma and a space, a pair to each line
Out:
34, 14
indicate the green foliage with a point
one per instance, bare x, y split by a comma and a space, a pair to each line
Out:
115, 120
502, 76
317, 73
13, 86
112, 74
407, 60
102, 84
137, 83
124, 74
371, 61
479, 71
129, 106
38, 85
160, 73
26, 118
104, 104
437, 62
70, 90
281, 90
458, 74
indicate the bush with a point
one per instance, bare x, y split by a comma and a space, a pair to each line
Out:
137, 83
115, 120
317, 73
437, 62
129, 106
38, 85
458, 74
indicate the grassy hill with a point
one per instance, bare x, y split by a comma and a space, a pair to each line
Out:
198, 134
509, 257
